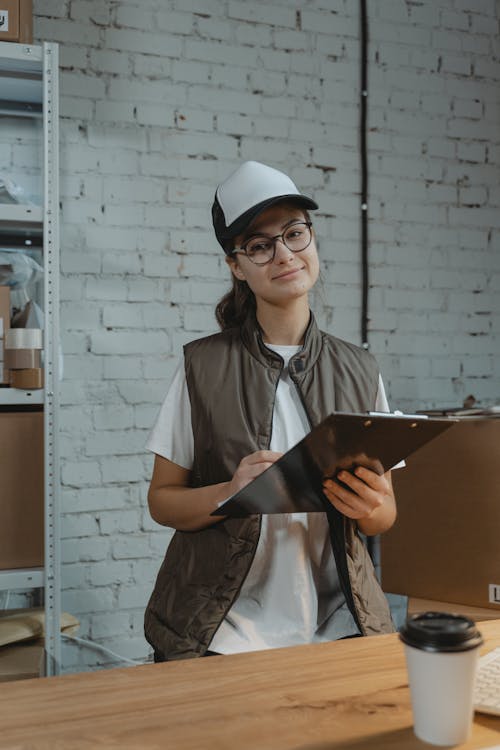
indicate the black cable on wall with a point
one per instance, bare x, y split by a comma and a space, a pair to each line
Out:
363, 109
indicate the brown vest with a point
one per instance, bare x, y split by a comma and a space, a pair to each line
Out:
232, 379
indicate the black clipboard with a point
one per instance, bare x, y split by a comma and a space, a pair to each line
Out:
341, 441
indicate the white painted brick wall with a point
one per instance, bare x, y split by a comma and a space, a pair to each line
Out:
158, 104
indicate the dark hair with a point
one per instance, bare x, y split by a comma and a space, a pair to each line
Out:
235, 306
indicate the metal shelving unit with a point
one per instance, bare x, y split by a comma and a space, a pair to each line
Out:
29, 89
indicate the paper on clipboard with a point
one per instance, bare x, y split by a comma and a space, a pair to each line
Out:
341, 441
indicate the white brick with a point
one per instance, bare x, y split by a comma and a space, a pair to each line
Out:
121, 263
84, 601
131, 546
95, 499
143, 290
113, 342
133, 597
122, 190
52, 9
258, 35
114, 522
105, 289
109, 61
81, 210
115, 443
90, 11
481, 24
141, 392
109, 624
258, 13
115, 112
122, 316
78, 524
146, 415
123, 89
160, 316
187, 71
162, 266
72, 57
136, 18
162, 115
109, 573
123, 137
74, 576
80, 159
209, 28
79, 85
121, 469
140, 41
176, 23
117, 368
113, 417
159, 368
67, 32
81, 473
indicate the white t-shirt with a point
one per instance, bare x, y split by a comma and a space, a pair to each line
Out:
292, 593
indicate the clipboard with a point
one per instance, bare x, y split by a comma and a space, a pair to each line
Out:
341, 441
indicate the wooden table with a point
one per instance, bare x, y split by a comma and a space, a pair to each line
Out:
347, 695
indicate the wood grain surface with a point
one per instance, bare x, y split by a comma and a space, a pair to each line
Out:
334, 696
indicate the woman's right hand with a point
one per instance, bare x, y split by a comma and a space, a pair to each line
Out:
172, 502
250, 467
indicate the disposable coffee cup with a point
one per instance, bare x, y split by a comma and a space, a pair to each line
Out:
441, 655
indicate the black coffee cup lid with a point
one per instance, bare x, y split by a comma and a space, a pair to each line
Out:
440, 631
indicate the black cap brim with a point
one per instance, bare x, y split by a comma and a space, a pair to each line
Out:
243, 221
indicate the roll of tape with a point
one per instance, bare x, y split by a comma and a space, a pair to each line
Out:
20, 359
27, 379
24, 338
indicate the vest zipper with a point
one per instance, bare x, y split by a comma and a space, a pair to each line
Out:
347, 589
260, 516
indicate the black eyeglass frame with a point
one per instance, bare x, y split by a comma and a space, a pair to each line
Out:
243, 248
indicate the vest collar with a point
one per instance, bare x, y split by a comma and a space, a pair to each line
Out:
304, 360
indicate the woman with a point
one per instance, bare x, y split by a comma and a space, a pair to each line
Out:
239, 400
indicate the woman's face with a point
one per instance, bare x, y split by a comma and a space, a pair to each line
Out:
289, 275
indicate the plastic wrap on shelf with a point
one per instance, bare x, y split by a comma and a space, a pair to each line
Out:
11, 192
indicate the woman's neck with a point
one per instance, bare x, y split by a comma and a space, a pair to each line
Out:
284, 325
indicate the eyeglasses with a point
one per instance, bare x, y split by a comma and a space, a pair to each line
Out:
261, 250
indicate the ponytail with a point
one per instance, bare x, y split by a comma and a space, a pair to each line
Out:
233, 309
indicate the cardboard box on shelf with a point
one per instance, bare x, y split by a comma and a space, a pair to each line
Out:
415, 606
16, 21
444, 544
22, 661
22, 641
21, 489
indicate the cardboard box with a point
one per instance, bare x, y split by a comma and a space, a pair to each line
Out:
16, 21
21, 489
445, 545
22, 661
416, 606
4, 327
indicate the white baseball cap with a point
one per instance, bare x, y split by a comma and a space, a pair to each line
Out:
249, 190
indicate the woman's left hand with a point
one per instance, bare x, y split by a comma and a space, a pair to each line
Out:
367, 498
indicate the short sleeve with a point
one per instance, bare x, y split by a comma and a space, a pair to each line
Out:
172, 434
